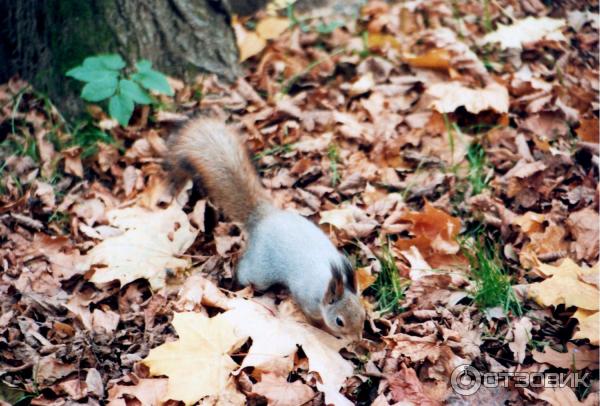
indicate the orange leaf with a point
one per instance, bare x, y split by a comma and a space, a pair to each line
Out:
432, 59
435, 236
588, 130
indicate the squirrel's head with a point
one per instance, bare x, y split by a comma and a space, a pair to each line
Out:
343, 314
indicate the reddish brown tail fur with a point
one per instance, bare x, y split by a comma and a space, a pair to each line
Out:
209, 148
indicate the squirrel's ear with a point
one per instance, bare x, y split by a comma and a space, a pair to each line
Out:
350, 274
335, 289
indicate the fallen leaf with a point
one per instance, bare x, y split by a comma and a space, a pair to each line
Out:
432, 59
198, 364
435, 235
364, 84
148, 247
584, 227
588, 327
527, 31
588, 130
280, 392
575, 358
406, 387
277, 332
446, 97
272, 27
520, 335
249, 43
149, 392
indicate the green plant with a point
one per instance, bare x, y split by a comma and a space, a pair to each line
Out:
333, 154
87, 136
105, 77
389, 286
492, 282
479, 176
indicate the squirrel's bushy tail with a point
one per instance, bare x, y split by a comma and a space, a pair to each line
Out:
209, 148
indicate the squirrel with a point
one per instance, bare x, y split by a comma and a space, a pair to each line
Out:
283, 248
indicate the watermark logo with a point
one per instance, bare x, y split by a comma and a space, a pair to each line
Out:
466, 379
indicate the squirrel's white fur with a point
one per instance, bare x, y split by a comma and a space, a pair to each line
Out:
283, 247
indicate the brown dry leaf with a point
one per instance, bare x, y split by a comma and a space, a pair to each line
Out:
73, 163
576, 358
560, 396
203, 342
148, 247
405, 386
149, 392
584, 226
280, 392
435, 235
520, 335
589, 130
446, 97
353, 221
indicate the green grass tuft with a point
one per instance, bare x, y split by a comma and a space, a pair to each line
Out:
333, 153
389, 286
492, 282
478, 175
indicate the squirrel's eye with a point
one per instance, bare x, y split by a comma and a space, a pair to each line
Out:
339, 322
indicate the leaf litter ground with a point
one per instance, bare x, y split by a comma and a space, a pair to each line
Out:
449, 148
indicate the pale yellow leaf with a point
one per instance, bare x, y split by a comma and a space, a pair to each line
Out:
198, 364
147, 248
446, 97
561, 289
276, 333
528, 30
589, 327
272, 27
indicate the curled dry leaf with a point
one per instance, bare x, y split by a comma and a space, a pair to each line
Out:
446, 97
148, 247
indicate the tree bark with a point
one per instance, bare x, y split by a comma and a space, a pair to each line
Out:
42, 39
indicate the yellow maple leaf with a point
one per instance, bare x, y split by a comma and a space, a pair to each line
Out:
564, 289
149, 245
589, 326
198, 364
276, 333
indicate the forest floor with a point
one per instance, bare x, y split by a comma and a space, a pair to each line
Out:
449, 148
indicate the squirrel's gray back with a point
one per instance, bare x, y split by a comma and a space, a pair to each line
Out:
286, 248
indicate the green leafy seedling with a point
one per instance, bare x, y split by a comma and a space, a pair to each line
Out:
105, 77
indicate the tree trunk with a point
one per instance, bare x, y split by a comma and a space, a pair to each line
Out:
41, 39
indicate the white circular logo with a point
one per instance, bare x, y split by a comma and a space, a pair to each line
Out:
465, 380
